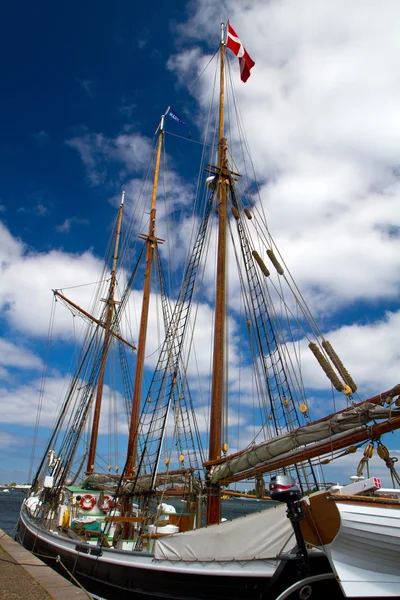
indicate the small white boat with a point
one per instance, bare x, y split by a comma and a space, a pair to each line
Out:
360, 536
6, 491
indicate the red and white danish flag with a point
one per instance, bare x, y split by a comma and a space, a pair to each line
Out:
245, 62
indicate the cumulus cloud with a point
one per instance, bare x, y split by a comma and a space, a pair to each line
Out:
320, 117
321, 120
13, 355
19, 403
29, 277
174, 198
24, 404
98, 151
370, 352
10, 247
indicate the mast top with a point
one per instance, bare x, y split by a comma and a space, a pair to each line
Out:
160, 127
123, 198
222, 34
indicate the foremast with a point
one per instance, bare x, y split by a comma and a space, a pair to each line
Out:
151, 242
218, 380
107, 337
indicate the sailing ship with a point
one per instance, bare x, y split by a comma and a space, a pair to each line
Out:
113, 529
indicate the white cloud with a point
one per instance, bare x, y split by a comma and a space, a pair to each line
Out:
65, 227
10, 247
19, 405
174, 197
321, 119
182, 64
369, 352
98, 152
39, 209
28, 278
12, 355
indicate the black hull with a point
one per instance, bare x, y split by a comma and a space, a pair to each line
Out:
121, 582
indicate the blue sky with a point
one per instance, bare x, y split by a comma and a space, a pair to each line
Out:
91, 67
83, 87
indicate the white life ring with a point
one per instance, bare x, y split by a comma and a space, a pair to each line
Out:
106, 504
87, 502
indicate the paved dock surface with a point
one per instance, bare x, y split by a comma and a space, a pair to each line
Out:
24, 577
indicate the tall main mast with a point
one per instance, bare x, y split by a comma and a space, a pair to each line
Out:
217, 390
110, 311
151, 242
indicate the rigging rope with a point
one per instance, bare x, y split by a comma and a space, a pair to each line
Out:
42, 386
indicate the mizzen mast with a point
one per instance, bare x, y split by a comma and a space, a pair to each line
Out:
218, 384
151, 242
107, 337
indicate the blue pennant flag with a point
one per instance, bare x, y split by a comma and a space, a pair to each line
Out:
172, 115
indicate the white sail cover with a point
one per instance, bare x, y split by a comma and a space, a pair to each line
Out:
259, 536
351, 419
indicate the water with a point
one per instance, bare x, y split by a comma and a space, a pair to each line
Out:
10, 504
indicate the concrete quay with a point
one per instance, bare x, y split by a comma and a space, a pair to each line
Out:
23, 576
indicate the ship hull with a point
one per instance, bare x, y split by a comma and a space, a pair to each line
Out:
123, 575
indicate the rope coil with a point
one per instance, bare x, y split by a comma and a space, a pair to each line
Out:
275, 261
327, 368
339, 365
260, 263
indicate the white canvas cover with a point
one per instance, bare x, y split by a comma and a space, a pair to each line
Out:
261, 535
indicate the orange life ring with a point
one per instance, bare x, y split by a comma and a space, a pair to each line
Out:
106, 504
87, 502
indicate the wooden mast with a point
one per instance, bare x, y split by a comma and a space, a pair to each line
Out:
217, 390
110, 311
151, 241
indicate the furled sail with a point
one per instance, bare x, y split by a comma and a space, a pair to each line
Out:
344, 422
144, 483
147, 483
